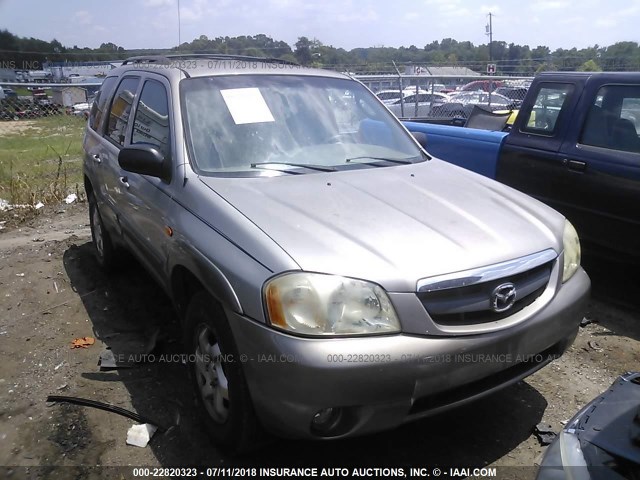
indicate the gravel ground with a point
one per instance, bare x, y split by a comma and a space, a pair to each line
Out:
53, 292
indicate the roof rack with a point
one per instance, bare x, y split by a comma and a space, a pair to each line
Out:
163, 59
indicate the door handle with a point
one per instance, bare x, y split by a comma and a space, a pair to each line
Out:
96, 158
575, 165
124, 181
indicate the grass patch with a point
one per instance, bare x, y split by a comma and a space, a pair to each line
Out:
41, 159
22, 91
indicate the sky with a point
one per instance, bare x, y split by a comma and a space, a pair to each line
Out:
341, 23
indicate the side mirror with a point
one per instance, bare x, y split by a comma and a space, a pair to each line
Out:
421, 137
145, 159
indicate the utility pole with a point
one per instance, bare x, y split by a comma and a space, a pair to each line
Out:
489, 31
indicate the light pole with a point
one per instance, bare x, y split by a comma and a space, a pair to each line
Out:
179, 39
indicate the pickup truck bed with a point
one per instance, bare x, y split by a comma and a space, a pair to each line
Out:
473, 149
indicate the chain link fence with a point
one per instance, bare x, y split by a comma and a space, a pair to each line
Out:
41, 131
439, 98
42, 123
408, 96
28, 101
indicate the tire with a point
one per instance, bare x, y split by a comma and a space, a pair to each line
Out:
104, 250
217, 376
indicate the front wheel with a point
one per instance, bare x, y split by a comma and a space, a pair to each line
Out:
217, 376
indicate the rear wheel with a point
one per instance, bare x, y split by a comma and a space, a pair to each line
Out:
217, 376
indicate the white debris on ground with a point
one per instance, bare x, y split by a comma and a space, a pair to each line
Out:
139, 435
5, 205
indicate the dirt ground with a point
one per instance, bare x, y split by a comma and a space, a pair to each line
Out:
11, 128
53, 291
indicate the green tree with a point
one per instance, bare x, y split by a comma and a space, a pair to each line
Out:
589, 66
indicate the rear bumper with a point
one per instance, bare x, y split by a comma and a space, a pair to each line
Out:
382, 382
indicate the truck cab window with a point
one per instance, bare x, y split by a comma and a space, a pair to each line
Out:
546, 109
614, 119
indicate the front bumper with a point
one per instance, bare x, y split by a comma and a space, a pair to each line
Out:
382, 382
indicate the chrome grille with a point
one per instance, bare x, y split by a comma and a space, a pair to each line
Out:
466, 298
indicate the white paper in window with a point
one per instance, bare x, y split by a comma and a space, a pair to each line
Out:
247, 105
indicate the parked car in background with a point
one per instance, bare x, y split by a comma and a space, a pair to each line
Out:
419, 105
33, 111
437, 87
332, 279
479, 97
484, 85
515, 94
389, 97
79, 109
9, 93
40, 96
461, 104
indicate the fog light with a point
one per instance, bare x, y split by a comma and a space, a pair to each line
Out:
325, 420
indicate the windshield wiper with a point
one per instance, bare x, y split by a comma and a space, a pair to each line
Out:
320, 168
392, 160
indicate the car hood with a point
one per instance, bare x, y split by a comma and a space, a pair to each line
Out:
394, 225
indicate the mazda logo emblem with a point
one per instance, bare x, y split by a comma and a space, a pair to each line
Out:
503, 297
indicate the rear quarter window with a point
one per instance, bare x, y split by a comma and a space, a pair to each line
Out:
100, 103
613, 121
543, 116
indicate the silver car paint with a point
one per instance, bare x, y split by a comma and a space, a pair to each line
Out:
311, 374
393, 225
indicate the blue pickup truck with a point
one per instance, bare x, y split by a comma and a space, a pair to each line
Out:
574, 146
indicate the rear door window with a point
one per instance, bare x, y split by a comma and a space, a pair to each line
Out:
121, 108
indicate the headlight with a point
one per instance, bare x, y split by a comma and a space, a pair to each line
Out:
564, 459
571, 453
316, 304
571, 251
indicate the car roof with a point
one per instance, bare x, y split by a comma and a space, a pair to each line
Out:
604, 76
195, 65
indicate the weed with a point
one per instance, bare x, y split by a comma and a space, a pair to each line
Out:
41, 159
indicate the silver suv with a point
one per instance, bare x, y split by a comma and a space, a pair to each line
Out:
333, 278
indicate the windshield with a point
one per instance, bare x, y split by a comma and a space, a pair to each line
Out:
242, 125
